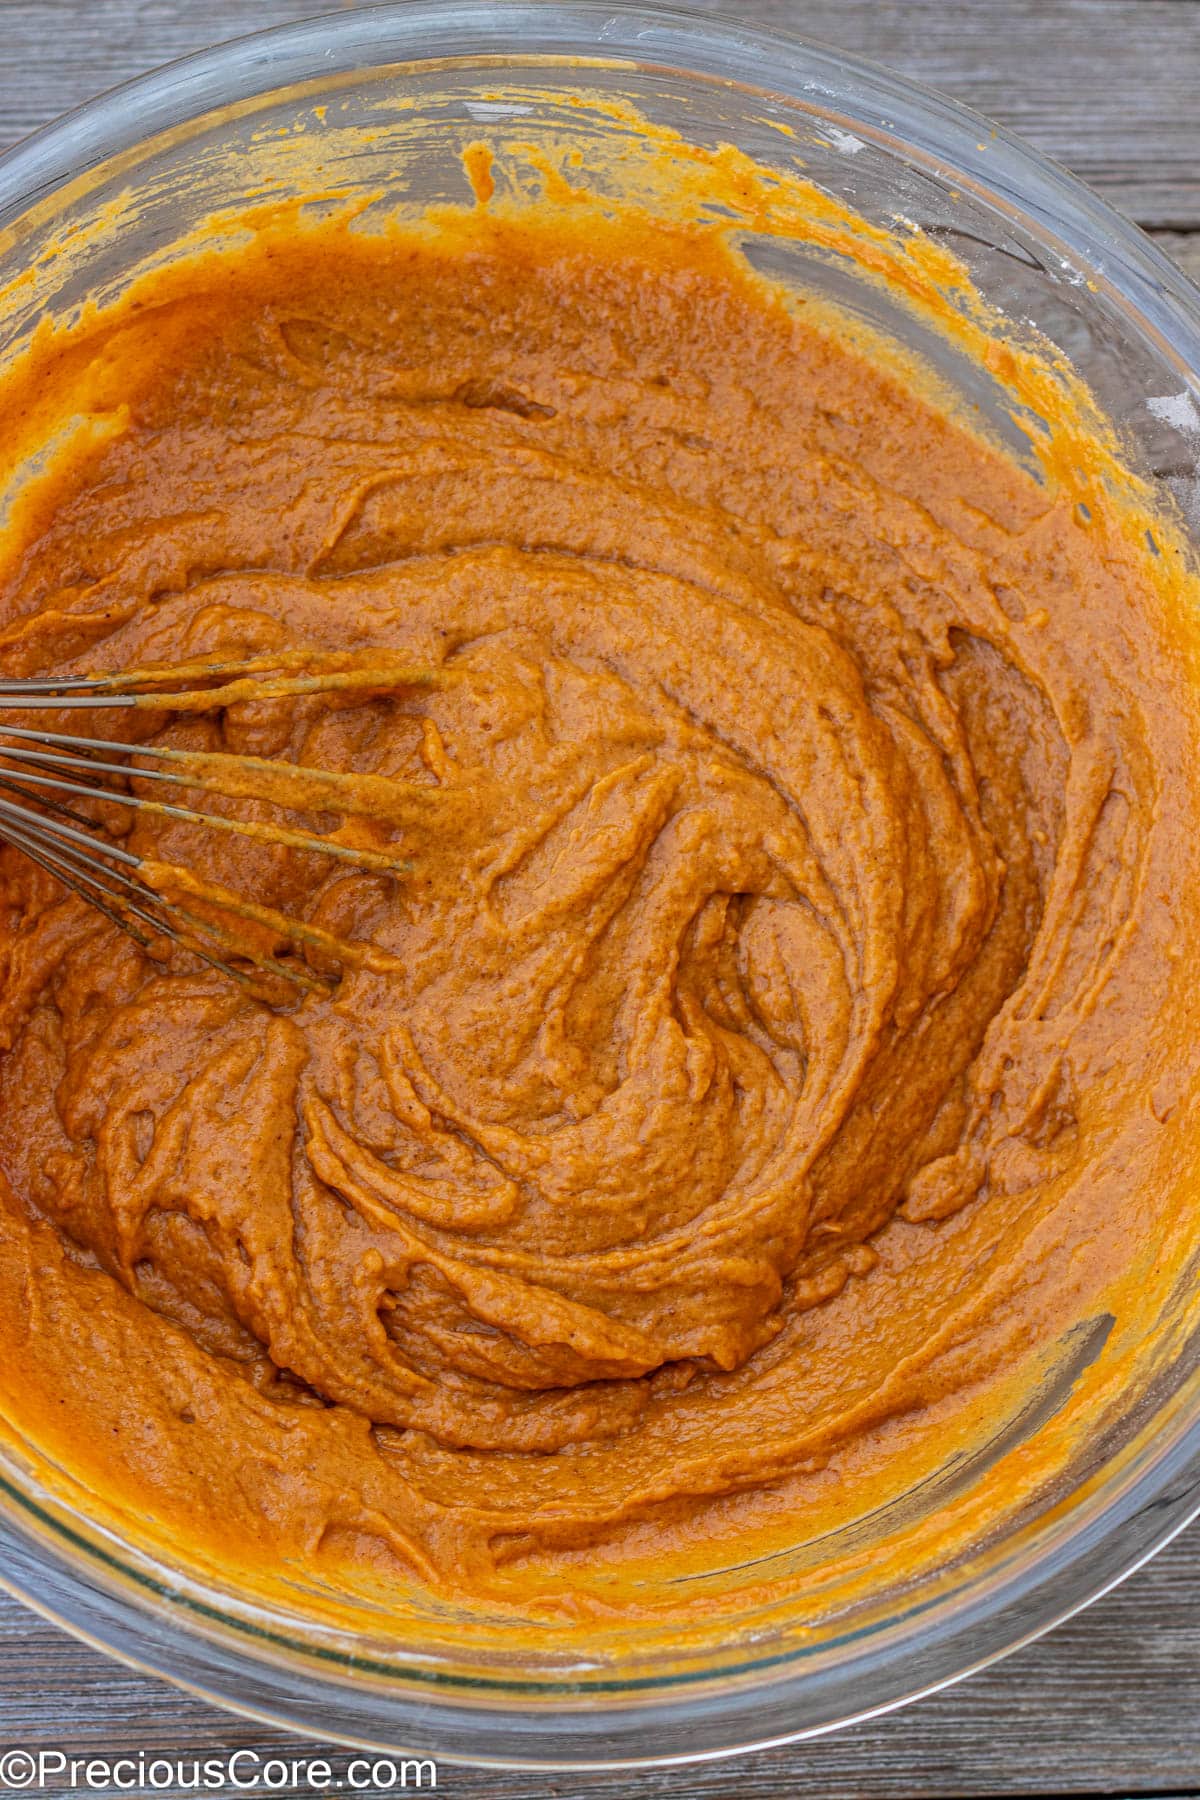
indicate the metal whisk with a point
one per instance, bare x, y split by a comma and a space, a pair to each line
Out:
43, 772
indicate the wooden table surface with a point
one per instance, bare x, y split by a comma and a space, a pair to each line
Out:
1110, 1703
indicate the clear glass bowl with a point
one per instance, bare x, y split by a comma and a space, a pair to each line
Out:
382, 101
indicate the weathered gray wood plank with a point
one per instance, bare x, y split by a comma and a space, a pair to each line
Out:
1110, 1703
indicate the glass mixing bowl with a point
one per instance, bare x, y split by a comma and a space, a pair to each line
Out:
380, 103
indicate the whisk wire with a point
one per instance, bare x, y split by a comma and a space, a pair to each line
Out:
44, 768
72, 857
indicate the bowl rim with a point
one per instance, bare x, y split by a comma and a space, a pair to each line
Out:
1071, 1562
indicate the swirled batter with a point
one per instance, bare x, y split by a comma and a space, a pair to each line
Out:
775, 1046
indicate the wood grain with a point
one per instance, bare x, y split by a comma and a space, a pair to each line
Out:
1110, 1702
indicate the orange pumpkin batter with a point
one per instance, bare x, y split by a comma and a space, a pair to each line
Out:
778, 1043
